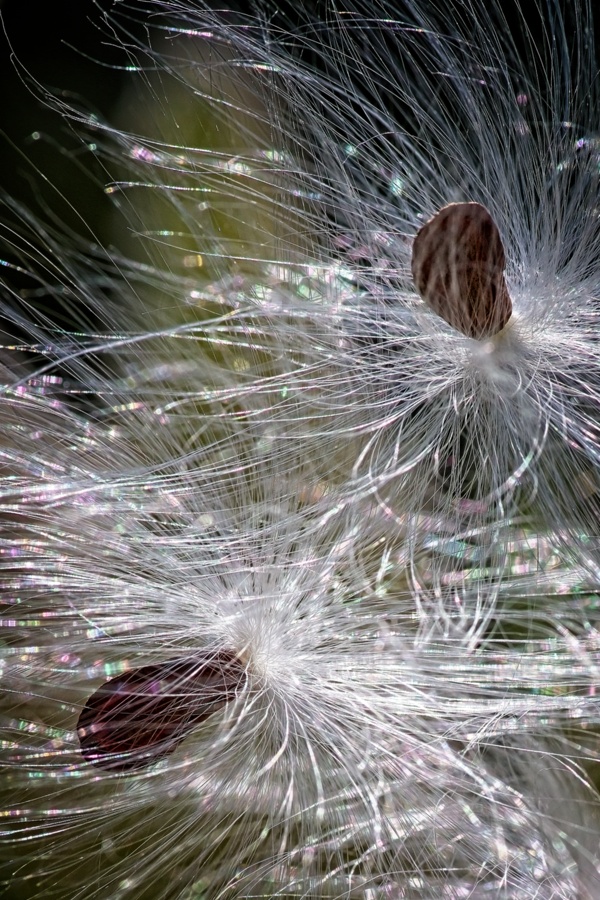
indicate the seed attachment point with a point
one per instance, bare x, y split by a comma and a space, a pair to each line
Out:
458, 265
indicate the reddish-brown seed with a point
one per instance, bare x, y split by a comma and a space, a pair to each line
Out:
458, 269
140, 716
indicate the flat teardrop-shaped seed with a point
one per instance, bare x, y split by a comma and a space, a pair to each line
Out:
140, 716
458, 269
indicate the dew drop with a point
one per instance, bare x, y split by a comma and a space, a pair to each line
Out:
458, 269
140, 716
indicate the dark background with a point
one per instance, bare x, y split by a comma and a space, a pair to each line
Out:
62, 45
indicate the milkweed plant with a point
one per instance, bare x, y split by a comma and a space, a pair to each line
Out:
300, 470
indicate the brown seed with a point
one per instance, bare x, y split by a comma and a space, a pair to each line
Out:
140, 716
458, 269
